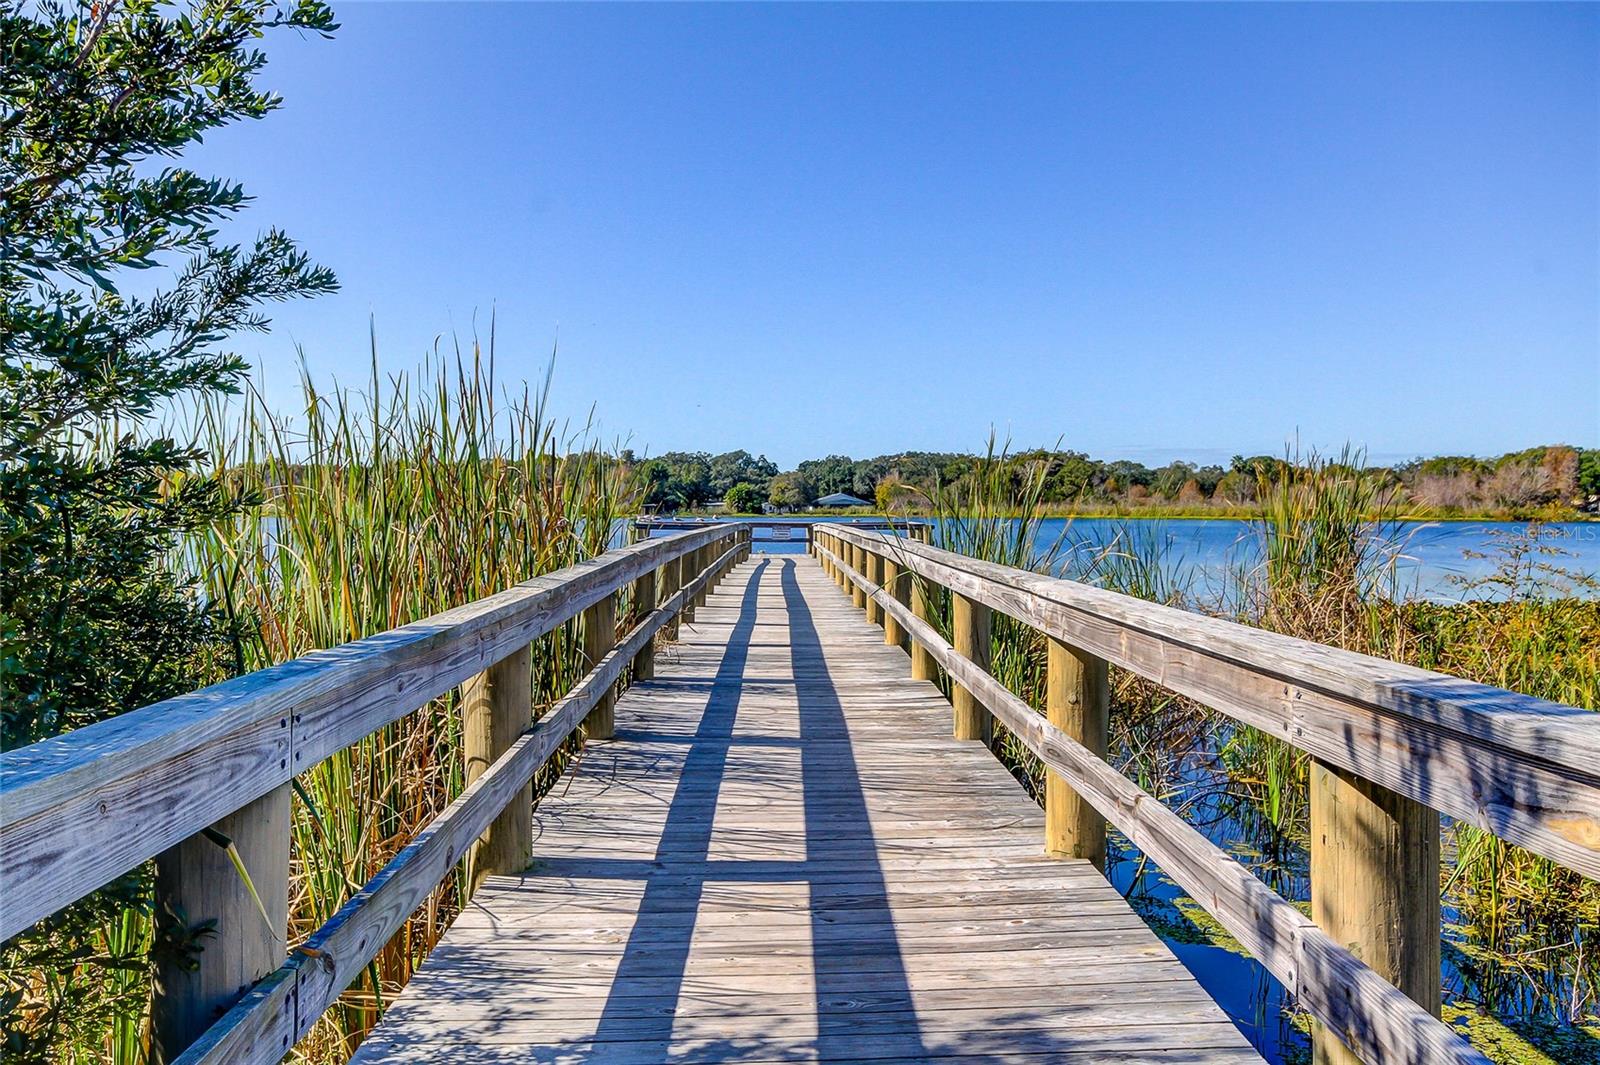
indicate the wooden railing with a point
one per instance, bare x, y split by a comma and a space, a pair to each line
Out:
172, 780
1393, 747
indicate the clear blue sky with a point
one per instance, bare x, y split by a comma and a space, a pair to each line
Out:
1146, 230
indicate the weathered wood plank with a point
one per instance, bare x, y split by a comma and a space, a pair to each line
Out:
784, 855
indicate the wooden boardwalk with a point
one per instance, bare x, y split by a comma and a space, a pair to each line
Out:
784, 857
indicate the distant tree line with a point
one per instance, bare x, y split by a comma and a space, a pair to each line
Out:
1554, 477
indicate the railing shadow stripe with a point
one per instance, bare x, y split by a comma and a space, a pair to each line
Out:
833, 797
652, 940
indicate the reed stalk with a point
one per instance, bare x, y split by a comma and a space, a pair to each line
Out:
418, 493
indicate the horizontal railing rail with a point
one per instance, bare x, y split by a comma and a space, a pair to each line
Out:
1519, 767
1522, 768
78, 810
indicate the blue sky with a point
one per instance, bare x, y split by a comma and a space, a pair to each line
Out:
1144, 230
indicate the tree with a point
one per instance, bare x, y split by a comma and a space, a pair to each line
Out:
745, 498
864, 482
653, 477
1170, 479
890, 494
678, 479
1125, 474
1236, 486
1561, 472
1071, 475
836, 473
1589, 472
93, 619
788, 491
1515, 485
729, 469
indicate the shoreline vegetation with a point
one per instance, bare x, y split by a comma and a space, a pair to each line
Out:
1550, 483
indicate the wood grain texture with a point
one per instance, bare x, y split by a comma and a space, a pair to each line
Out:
644, 601
1375, 887
899, 586
196, 880
79, 809
1522, 768
923, 666
1078, 702
496, 708
599, 637
1368, 1013
671, 582
784, 856
969, 624
874, 573
283, 1007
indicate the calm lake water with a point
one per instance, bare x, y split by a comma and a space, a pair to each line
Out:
1435, 560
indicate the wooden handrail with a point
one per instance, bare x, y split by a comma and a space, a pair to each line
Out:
283, 1006
82, 808
1367, 1013
1522, 768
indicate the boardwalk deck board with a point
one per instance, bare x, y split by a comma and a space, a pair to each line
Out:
783, 856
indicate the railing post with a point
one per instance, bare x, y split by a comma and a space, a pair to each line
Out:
599, 637
923, 665
670, 584
1077, 701
895, 580
1375, 887
196, 882
858, 563
496, 708
644, 604
969, 622
874, 573
687, 569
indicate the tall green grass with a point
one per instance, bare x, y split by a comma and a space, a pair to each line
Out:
383, 505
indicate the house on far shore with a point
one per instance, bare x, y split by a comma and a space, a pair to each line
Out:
841, 499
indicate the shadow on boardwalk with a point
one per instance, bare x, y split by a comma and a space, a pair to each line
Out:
822, 970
